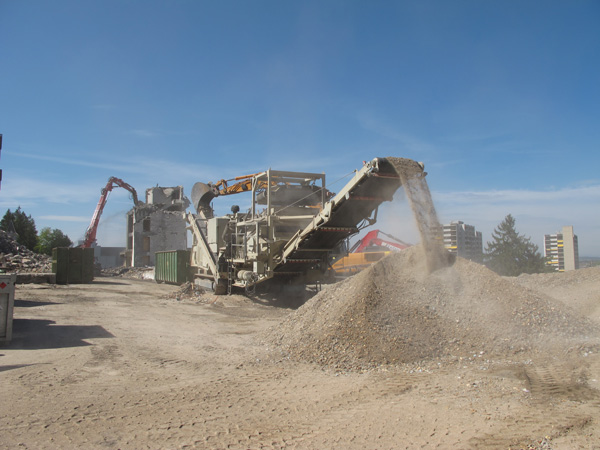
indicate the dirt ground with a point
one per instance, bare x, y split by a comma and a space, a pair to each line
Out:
119, 364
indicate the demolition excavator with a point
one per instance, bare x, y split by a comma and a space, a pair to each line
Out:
90, 234
292, 226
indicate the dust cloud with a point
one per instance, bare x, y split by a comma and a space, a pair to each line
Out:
417, 191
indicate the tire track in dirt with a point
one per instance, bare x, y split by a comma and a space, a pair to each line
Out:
219, 413
559, 402
563, 380
375, 403
260, 406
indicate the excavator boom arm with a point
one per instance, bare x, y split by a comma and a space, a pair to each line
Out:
90, 234
372, 239
244, 184
203, 193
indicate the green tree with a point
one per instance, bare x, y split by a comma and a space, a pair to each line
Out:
511, 254
23, 224
50, 238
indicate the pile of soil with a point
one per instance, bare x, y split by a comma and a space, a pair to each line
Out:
398, 311
16, 258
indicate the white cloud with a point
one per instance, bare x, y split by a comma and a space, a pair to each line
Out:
67, 160
577, 194
19, 190
66, 218
153, 170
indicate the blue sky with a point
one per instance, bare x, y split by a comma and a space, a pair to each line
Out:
499, 99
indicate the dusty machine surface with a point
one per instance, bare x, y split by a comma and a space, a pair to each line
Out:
293, 225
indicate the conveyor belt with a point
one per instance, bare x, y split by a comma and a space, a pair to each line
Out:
372, 185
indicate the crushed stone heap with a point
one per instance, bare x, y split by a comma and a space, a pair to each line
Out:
16, 258
397, 312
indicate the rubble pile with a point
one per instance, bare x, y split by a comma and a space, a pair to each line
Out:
398, 312
16, 258
138, 273
187, 291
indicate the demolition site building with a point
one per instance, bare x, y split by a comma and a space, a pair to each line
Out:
157, 225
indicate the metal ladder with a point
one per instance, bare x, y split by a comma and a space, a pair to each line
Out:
238, 241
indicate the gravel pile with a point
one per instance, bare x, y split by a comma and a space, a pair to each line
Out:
397, 311
579, 289
16, 258
562, 280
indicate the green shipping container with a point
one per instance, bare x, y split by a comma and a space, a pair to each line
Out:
172, 267
73, 265
60, 264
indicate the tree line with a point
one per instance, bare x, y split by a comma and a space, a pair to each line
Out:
24, 226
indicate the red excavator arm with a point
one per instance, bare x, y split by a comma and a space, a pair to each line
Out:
366, 251
372, 239
90, 234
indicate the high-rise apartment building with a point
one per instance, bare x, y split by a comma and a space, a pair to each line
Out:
463, 240
562, 250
